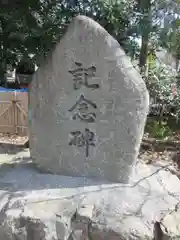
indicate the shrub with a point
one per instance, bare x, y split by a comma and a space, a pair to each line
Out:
164, 93
158, 129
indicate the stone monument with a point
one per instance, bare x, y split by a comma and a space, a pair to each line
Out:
88, 106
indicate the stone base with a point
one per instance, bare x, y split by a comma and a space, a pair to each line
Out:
52, 207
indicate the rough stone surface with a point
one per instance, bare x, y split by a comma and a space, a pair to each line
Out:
37, 206
88, 106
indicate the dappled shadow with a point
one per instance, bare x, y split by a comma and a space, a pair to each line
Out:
22, 177
25, 175
8, 148
25, 182
24, 162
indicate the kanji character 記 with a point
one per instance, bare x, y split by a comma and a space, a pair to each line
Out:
81, 75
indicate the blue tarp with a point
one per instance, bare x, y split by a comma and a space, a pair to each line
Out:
13, 90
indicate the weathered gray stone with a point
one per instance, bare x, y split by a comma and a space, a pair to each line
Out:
52, 207
90, 124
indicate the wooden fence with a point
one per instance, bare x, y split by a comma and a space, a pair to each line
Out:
14, 113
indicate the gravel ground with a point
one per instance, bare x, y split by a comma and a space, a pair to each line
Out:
152, 156
11, 153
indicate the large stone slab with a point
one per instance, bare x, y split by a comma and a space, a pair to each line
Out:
36, 206
88, 106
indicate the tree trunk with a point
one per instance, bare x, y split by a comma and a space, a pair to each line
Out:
4, 46
177, 65
145, 22
144, 51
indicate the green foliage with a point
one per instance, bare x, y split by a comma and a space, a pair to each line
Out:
25, 66
25, 29
163, 89
169, 35
158, 129
36, 26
